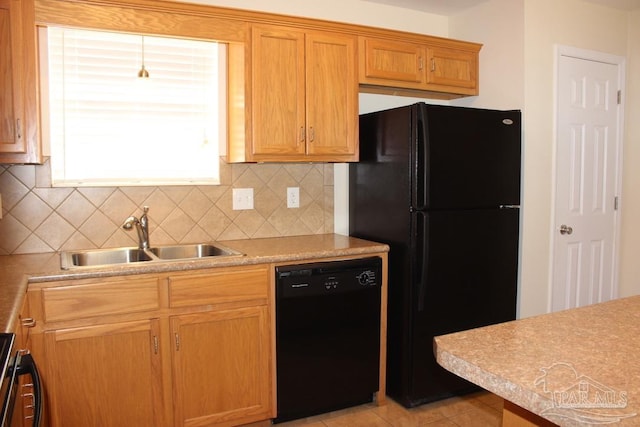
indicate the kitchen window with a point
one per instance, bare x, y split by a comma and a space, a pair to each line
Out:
110, 125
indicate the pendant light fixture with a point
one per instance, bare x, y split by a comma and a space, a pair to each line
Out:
143, 73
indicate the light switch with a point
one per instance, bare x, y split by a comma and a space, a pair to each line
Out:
293, 197
242, 199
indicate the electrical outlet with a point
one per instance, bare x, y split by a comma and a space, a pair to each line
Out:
242, 199
293, 197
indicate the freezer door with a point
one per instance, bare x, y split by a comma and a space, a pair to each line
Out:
466, 265
466, 158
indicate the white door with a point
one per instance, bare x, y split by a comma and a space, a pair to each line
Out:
586, 181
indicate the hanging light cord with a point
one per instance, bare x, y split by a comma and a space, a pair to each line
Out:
143, 73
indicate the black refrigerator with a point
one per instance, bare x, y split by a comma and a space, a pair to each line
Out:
441, 186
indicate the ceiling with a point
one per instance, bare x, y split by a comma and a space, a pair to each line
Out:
438, 7
451, 7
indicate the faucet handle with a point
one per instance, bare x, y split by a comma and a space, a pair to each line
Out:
145, 209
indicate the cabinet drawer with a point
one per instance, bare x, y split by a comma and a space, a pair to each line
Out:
219, 286
100, 299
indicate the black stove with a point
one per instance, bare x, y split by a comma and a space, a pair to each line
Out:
7, 393
6, 344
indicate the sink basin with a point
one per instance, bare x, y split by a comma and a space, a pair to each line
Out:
94, 257
191, 251
103, 257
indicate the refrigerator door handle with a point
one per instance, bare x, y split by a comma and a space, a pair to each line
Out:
421, 256
421, 160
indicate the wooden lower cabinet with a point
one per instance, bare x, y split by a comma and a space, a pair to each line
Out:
221, 367
185, 349
106, 375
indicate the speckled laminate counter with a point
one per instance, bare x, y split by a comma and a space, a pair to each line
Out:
16, 271
576, 367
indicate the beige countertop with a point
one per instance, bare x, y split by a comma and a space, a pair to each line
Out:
575, 367
16, 271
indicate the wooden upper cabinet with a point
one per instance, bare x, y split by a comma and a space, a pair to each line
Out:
278, 98
332, 97
19, 141
292, 82
304, 99
453, 69
382, 61
444, 69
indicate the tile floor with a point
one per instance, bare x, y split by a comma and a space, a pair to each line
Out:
480, 409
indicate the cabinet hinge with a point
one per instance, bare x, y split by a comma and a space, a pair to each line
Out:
619, 97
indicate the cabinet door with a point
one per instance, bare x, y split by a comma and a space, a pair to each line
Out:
11, 139
106, 375
392, 63
454, 69
221, 367
18, 83
332, 97
278, 87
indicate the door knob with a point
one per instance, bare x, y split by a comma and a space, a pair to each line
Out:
565, 229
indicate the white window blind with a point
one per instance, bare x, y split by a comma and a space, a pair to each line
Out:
110, 127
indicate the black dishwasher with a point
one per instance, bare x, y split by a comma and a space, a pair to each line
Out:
327, 335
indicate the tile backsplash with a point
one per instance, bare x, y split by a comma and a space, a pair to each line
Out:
39, 218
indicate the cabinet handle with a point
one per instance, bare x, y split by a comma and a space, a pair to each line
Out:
301, 134
28, 322
155, 344
177, 341
19, 129
420, 63
312, 134
433, 64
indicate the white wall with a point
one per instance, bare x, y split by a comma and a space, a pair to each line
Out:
548, 22
499, 26
630, 235
350, 11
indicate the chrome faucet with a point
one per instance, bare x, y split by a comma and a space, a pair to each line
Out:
142, 227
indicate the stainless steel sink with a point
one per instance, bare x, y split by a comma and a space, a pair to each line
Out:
104, 257
202, 250
91, 258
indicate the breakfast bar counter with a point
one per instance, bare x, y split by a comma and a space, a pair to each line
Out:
570, 368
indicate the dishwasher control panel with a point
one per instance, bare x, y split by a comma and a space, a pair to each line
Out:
328, 277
